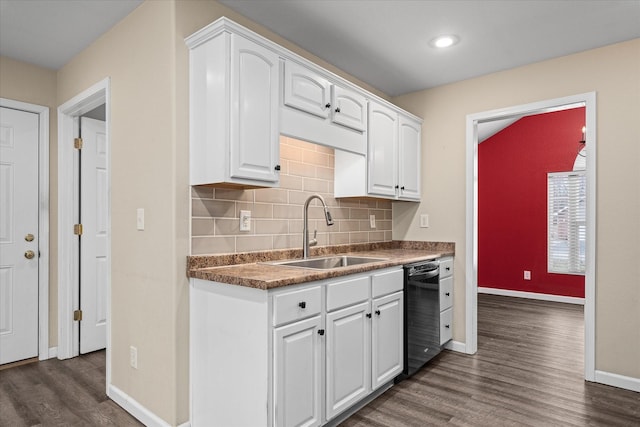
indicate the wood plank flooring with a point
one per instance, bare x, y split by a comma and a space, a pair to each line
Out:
528, 372
60, 393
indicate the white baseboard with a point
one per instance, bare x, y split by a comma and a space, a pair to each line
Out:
458, 346
620, 381
531, 295
53, 352
187, 424
133, 407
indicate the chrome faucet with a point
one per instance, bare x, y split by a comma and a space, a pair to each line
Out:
305, 231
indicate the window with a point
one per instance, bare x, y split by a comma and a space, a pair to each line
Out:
567, 231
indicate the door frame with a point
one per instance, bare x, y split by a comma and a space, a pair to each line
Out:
587, 100
68, 280
44, 352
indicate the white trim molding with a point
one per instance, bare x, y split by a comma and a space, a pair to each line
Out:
587, 100
531, 295
68, 280
135, 408
458, 346
43, 218
620, 381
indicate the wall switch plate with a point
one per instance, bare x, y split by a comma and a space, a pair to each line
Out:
140, 219
372, 221
424, 221
527, 275
133, 357
245, 220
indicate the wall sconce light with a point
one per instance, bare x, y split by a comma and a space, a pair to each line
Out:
584, 135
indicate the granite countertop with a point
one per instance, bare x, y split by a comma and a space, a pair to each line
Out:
250, 268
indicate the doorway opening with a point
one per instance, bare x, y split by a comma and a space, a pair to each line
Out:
72, 266
587, 100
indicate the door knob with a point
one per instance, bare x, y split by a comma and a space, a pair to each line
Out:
29, 237
29, 254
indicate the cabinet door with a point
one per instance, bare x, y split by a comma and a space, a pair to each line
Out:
347, 357
306, 90
254, 131
348, 108
387, 339
297, 370
409, 162
383, 142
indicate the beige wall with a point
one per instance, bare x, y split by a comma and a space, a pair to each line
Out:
24, 82
613, 72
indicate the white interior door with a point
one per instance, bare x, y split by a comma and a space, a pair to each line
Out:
18, 235
93, 242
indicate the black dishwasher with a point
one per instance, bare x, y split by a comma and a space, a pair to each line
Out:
421, 315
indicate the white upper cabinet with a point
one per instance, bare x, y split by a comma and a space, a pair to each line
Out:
317, 109
383, 150
409, 135
348, 108
306, 90
234, 124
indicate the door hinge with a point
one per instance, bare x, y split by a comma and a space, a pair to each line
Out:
77, 143
77, 315
77, 229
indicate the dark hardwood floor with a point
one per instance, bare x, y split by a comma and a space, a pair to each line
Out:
528, 372
60, 393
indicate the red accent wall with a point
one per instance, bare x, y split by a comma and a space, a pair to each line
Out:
512, 201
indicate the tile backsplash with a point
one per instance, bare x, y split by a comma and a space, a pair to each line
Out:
277, 213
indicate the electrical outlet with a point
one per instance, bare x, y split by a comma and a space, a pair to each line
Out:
527, 275
424, 221
372, 221
245, 220
140, 219
133, 357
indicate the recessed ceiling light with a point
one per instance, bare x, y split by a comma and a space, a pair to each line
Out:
441, 42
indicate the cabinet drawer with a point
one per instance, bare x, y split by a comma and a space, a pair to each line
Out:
387, 282
446, 267
446, 293
347, 292
296, 305
446, 325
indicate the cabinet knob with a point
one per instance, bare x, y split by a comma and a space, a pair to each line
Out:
397, 187
277, 167
448, 268
369, 315
447, 294
302, 304
446, 326
402, 188
320, 332
328, 105
378, 312
338, 110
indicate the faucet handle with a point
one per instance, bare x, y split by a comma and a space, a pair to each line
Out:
314, 241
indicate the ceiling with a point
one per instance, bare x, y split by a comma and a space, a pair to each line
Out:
48, 33
384, 43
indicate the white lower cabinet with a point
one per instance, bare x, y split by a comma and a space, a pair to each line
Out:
294, 356
296, 371
387, 339
347, 357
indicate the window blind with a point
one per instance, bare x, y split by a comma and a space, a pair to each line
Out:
567, 229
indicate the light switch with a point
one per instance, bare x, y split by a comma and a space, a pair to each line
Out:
245, 220
424, 221
140, 219
372, 221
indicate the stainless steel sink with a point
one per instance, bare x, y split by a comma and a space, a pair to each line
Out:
327, 263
